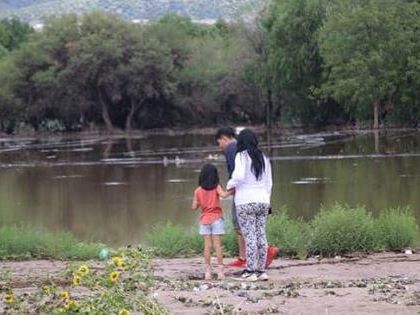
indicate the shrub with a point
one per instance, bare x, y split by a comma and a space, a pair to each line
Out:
397, 229
290, 236
340, 229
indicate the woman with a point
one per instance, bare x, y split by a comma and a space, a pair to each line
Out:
252, 181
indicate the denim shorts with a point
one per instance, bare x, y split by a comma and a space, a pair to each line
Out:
216, 228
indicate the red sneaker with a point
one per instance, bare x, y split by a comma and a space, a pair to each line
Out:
272, 252
239, 263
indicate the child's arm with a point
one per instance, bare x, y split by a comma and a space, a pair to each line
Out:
195, 204
222, 193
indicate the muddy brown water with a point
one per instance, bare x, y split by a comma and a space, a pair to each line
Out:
114, 189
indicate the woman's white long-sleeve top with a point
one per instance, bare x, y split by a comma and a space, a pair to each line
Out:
247, 188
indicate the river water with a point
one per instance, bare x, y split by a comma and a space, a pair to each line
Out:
116, 189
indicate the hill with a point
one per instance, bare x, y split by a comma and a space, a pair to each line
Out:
35, 11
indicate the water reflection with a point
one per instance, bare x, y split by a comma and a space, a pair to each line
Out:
114, 189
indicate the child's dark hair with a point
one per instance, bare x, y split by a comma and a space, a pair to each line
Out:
209, 177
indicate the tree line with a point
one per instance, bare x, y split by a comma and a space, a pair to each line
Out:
310, 62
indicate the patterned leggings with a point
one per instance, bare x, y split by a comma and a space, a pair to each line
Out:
252, 218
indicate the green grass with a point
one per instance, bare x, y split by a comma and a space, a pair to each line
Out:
19, 242
170, 240
335, 230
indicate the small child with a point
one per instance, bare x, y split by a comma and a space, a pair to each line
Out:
212, 225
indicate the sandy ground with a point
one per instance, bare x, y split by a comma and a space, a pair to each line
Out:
386, 283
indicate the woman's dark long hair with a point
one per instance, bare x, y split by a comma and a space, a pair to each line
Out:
247, 141
209, 177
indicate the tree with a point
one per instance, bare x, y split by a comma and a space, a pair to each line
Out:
12, 34
369, 48
293, 63
120, 67
259, 70
147, 77
3, 51
10, 109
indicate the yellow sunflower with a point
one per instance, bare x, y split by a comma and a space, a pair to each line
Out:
83, 270
65, 295
9, 298
124, 312
76, 280
117, 261
113, 276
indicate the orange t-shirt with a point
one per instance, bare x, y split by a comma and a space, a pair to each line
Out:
209, 203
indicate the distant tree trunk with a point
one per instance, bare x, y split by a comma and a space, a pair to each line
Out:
376, 106
269, 109
129, 145
129, 119
104, 109
376, 136
108, 148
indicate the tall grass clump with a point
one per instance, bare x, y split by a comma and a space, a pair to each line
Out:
340, 229
290, 236
168, 240
397, 229
29, 242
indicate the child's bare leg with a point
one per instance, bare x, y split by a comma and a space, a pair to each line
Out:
207, 256
217, 245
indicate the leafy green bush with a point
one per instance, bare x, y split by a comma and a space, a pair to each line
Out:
397, 229
290, 236
340, 229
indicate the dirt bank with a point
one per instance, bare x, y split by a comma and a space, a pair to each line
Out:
386, 283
